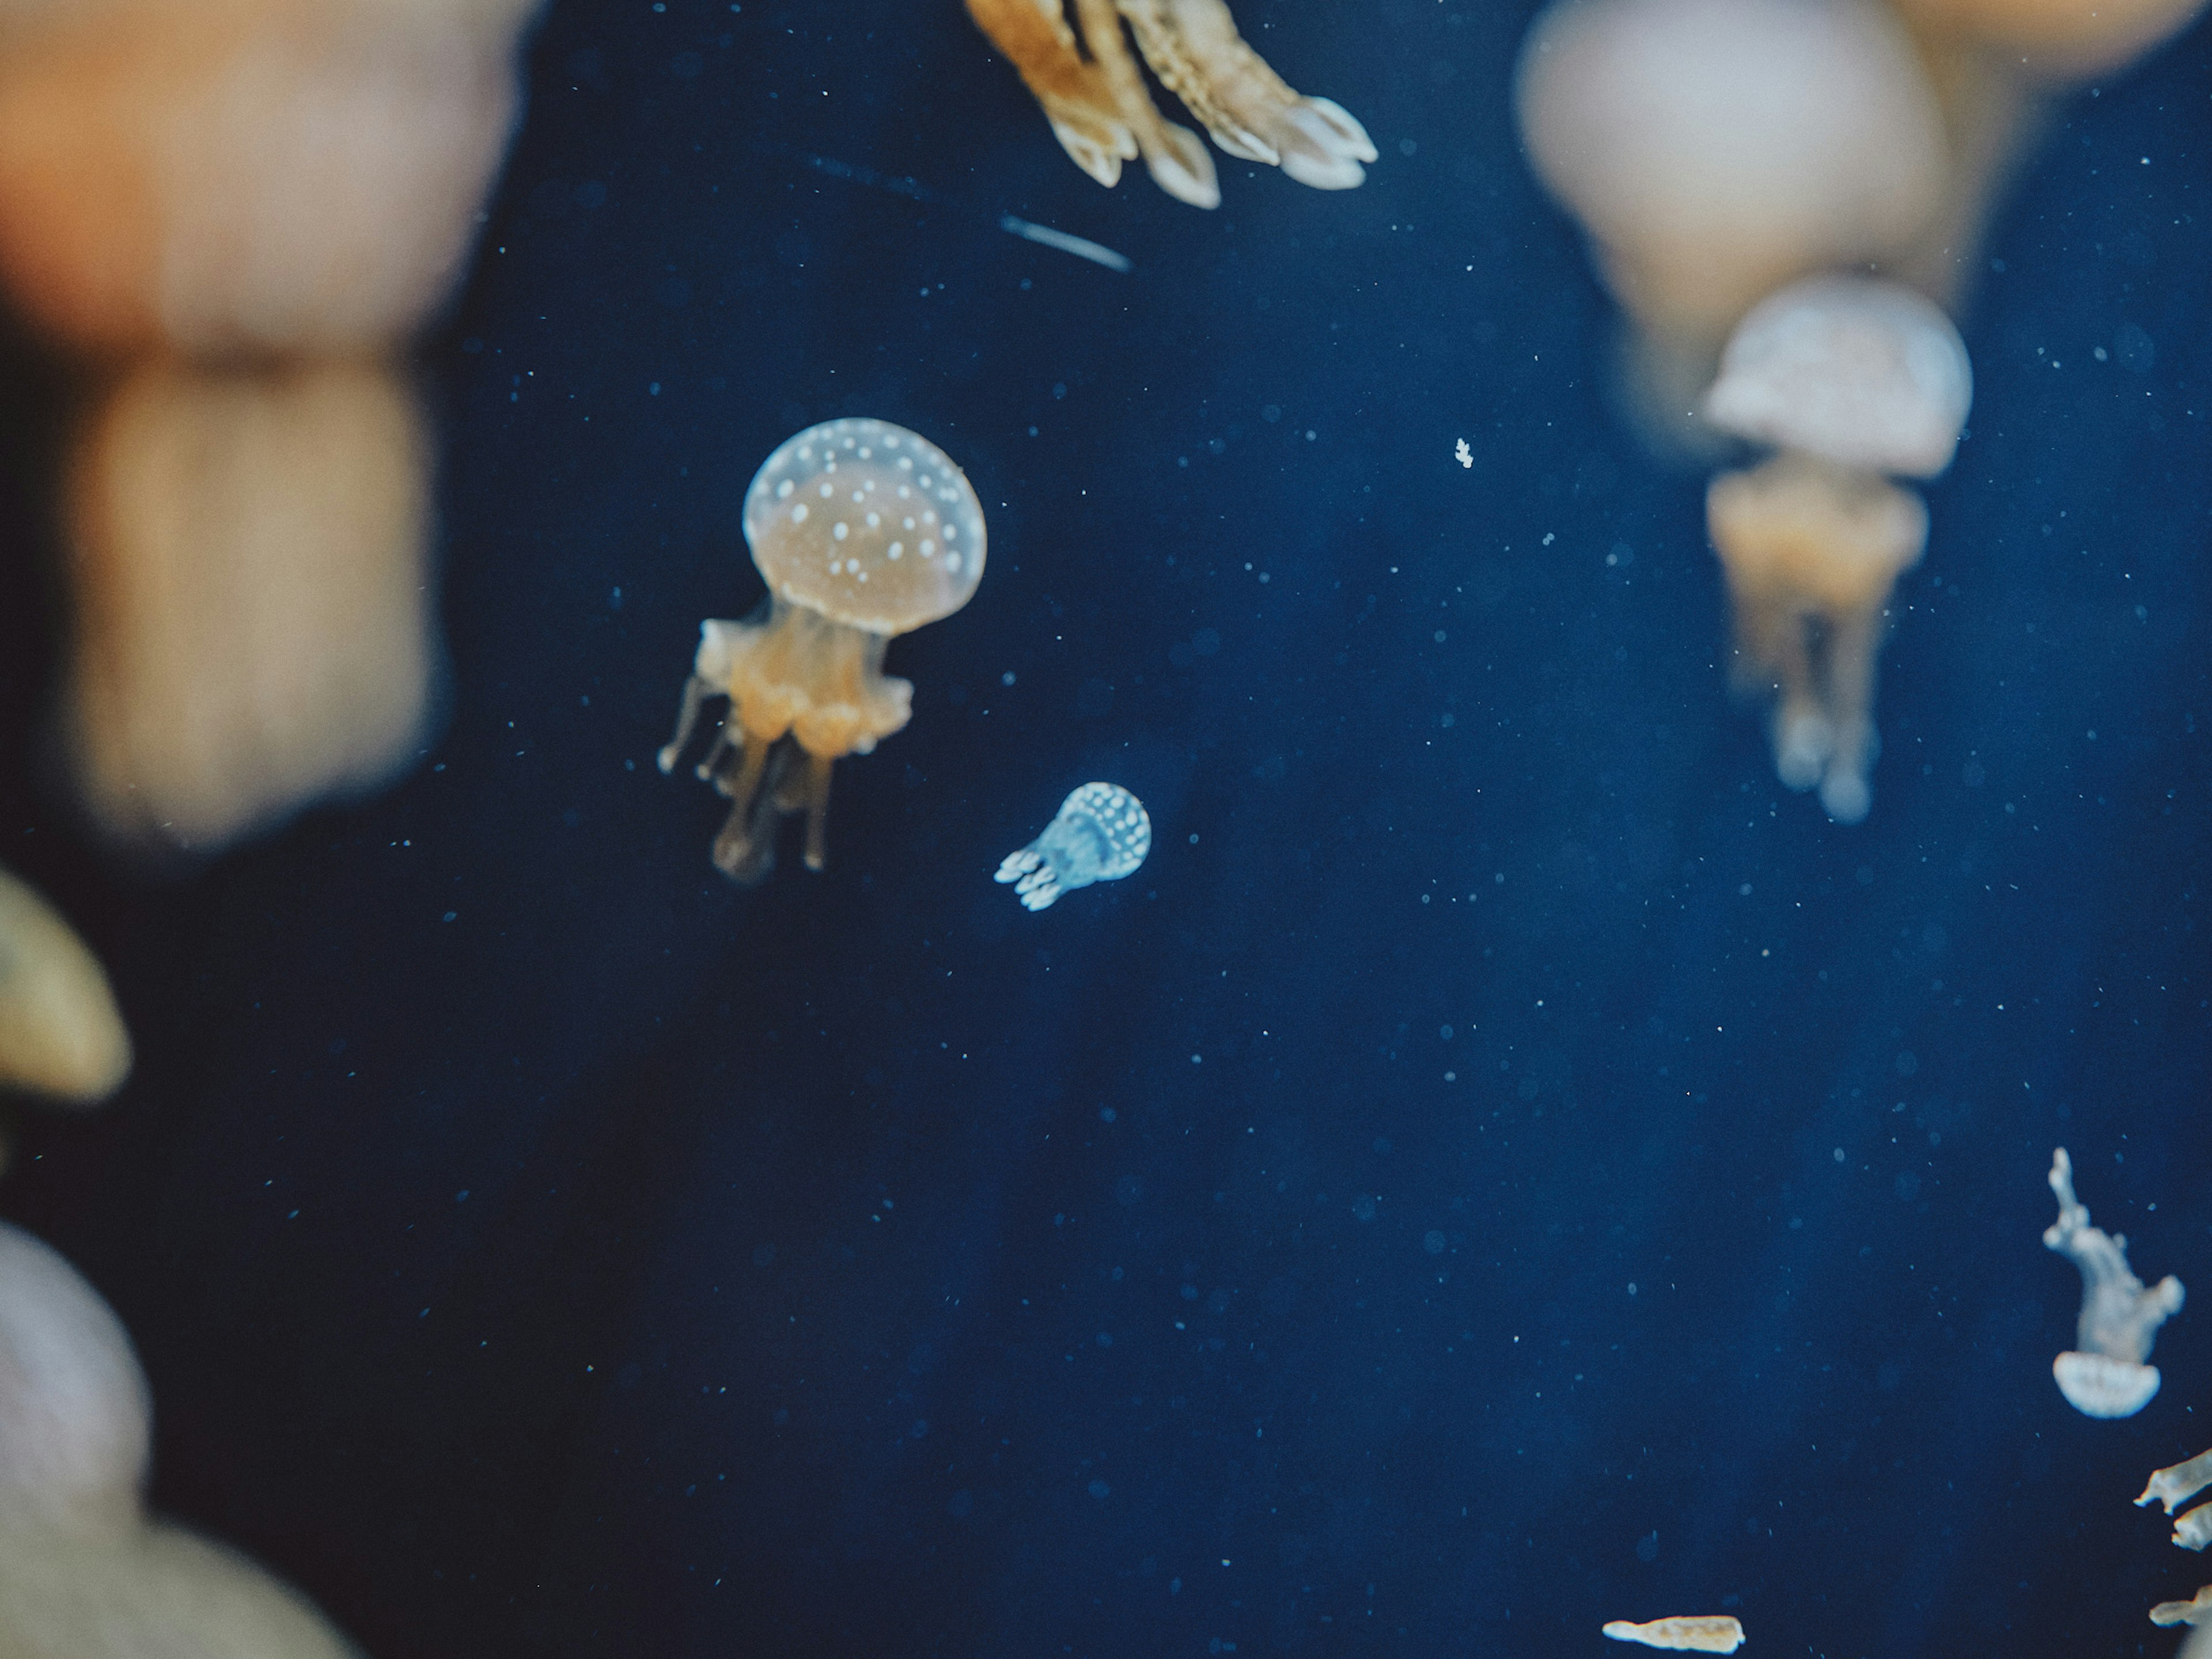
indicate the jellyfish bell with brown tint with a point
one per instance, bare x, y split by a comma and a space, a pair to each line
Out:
1850, 380
863, 531
1093, 94
2107, 1374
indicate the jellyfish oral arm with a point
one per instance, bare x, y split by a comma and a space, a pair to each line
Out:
1037, 882
2177, 1484
719, 643
1102, 115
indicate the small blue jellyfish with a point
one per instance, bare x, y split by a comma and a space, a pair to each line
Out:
1101, 833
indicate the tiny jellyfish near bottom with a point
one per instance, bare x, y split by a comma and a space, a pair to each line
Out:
1101, 833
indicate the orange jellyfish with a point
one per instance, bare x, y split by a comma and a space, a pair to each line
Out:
863, 530
1093, 94
1849, 379
229, 211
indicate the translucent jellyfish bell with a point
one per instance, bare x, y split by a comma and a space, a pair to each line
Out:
2108, 1376
1102, 833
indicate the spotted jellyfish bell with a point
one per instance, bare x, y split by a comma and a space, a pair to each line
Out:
1102, 833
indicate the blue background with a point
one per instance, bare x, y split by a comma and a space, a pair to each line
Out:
1503, 1165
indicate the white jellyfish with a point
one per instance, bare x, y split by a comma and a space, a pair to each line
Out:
1101, 833
2109, 1375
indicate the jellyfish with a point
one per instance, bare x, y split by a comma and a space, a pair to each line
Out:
256, 177
1699, 1632
231, 212
1093, 94
1100, 833
83, 1572
1716, 150
1849, 379
250, 549
2176, 1486
862, 530
2108, 1375
60, 1034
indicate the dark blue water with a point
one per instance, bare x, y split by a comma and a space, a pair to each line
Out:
1502, 1164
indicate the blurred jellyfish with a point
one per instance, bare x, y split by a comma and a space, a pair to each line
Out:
863, 530
83, 1573
230, 211
60, 1034
1699, 1633
1093, 94
2107, 1376
1716, 149
1100, 833
250, 552
2175, 1486
1849, 379
2052, 39
255, 177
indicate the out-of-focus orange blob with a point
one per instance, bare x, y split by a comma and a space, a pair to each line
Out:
245, 175
249, 556
60, 1034
1716, 149
2055, 40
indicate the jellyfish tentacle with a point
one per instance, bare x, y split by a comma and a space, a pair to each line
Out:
1177, 39
817, 810
2178, 1483
1101, 114
1070, 90
1195, 48
1173, 155
696, 692
1015, 866
745, 849
1774, 657
1854, 641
